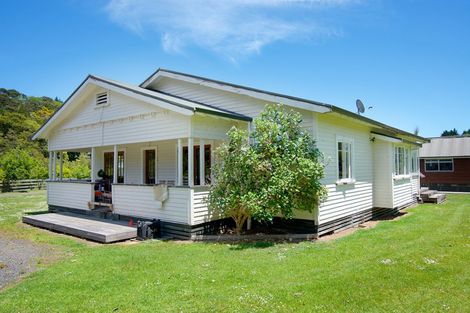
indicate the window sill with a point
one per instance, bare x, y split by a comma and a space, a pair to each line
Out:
348, 181
401, 177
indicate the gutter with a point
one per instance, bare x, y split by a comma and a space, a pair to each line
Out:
223, 114
394, 130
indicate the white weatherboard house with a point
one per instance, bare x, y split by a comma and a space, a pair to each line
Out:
139, 136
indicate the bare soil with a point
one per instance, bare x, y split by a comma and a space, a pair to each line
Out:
20, 257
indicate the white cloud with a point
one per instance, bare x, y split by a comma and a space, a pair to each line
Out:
228, 27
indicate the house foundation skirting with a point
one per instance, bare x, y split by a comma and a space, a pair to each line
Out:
168, 229
354, 220
293, 226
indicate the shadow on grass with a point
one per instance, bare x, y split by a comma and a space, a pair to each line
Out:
237, 245
389, 217
251, 245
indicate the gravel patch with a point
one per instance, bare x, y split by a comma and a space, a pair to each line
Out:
17, 258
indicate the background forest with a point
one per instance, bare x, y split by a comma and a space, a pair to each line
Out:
21, 157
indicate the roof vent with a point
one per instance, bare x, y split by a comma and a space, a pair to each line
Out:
102, 99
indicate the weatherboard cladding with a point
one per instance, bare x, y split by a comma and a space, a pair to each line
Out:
168, 99
69, 194
244, 105
139, 201
342, 200
345, 200
383, 167
403, 192
124, 121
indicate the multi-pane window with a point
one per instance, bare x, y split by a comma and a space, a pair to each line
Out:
439, 165
196, 172
414, 161
344, 159
400, 161
150, 160
109, 165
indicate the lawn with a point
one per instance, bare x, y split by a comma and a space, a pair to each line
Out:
418, 263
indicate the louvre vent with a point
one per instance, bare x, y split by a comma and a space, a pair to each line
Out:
102, 98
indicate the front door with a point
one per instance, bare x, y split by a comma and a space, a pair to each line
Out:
109, 166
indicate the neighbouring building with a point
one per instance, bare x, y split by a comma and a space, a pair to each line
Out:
445, 163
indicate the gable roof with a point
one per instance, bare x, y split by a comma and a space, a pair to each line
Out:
166, 101
454, 146
239, 89
302, 103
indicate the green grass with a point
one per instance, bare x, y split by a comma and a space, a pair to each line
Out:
418, 263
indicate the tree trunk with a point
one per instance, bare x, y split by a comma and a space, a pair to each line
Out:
240, 218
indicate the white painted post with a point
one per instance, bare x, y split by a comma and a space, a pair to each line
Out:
180, 163
212, 162
92, 165
61, 165
115, 165
202, 172
190, 162
50, 165
54, 165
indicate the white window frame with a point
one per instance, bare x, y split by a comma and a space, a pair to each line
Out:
406, 161
142, 165
210, 142
438, 165
351, 179
414, 161
125, 160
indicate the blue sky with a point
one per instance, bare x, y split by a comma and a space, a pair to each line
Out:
410, 60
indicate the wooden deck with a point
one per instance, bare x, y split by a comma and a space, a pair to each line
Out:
82, 226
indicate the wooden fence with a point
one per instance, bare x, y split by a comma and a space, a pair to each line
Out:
22, 185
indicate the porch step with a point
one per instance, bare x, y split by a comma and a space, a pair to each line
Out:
437, 198
425, 195
82, 226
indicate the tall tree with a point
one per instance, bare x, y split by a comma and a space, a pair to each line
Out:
20, 157
466, 132
452, 132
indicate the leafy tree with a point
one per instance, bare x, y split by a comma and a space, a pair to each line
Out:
20, 157
452, 132
20, 117
22, 164
78, 168
466, 132
233, 193
273, 172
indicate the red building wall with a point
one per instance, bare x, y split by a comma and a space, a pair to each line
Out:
460, 175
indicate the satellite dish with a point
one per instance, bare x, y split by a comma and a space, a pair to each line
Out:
360, 107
